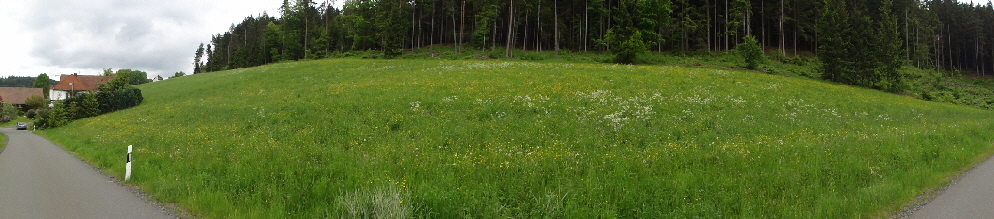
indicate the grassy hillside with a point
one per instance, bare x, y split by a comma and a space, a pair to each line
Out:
485, 139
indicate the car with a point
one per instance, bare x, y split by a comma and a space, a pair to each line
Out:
22, 126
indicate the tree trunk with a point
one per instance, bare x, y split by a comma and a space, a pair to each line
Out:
493, 34
305, 32
586, 24
327, 49
510, 24
783, 50
431, 37
555, 15
796, 27
949, 40
455, 35
462, 26
762, 22
710, 23
538, 35
524, 42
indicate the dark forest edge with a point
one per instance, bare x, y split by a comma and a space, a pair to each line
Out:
941, 44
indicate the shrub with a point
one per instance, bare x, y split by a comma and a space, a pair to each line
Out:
532, 56
35, 102
30, 114
7, 112
119, 99
55, 117
628, 44
751, 52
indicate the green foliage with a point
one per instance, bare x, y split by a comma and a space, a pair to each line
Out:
363, 29
111, 101
484, 21
8, 112
119, 82
856, 50
83, 105
751, 52
31, 113
43, 82
179, 74
21, 81
57, 116
627, 44
274, 41
198, 56
35, 102
636, 26
41, 117
134, 77
579, 140
889, 51
392, 23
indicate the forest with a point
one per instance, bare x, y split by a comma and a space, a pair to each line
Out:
858, 41
21, 81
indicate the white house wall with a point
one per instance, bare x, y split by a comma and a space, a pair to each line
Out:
57, 94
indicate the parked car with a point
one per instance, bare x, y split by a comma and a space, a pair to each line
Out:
22, 126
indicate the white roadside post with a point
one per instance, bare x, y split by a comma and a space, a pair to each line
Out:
127, 167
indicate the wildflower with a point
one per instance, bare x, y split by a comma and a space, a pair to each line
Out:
416, 105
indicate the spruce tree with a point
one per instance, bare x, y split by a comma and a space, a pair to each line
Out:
888, 51
751, 52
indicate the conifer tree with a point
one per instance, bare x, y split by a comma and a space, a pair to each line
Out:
889, 50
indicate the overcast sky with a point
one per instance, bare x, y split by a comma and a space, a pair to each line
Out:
86, 36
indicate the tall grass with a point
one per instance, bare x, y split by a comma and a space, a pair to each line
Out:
484, 139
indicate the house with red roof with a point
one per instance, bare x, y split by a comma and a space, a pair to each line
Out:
70, 85
19, 95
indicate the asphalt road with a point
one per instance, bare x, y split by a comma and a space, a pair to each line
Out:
39, 179
971, 197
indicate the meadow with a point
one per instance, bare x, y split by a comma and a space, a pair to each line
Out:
488, 139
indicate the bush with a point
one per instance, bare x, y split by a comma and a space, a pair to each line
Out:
627, 47
30, 114
751, 52
119, 99
83, 105
7, 112
531, 56
35, 102
52, 118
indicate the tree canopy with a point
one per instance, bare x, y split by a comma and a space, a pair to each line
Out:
861, 41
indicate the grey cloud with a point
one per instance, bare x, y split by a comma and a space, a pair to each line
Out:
111, 34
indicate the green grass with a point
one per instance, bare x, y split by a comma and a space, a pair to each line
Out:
15, 121
487, 139
3, 142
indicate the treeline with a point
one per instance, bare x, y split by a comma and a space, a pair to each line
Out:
21, 81
943, 34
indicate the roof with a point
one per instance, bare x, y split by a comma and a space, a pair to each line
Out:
18, 95
80, 82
